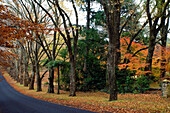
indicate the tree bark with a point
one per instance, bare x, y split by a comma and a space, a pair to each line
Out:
87, 28
21, 70
112, 12
31, 85
50, 79
17, 70
72, 78
164, 32
26, 80
154, 29
58, 90
151, 49
39, 88
26, 74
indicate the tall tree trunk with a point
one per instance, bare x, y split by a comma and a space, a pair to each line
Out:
111, 64
72, 78
154, 29
87, 27
17, 70
112, 12
39, 80
164, 32
50, 79
151, 49
21, 66
58, 90
31, 85
26, 80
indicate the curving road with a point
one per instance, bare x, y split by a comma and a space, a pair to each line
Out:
11, 101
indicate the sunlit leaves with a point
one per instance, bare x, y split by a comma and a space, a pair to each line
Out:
137, 62
134, 63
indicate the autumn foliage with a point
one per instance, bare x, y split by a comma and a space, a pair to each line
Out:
135, 62
13, 28
137, 57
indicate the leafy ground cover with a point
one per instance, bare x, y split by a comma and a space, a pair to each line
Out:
98, 101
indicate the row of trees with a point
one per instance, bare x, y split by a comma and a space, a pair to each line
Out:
41, 34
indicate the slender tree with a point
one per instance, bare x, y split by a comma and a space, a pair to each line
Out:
154, 26
164, 34
70, 32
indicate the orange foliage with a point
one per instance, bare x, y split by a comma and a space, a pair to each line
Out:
136, 62
13, 28
157, 58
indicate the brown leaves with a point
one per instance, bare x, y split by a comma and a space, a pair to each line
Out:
98, 101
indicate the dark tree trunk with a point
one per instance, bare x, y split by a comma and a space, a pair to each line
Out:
67, 38
151, 49
21, 66
26, 76
17, 71
164, 32
87, 27
112, 11
39, 88
154, 29
58, 90
50, 79
111, 73
72, 78
18, 74
31, 85
26, 80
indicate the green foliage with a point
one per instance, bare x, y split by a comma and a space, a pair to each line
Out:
64, 53
98, 18
142, 84
46, 83
92, 49
94, 77
127, 83
65, 78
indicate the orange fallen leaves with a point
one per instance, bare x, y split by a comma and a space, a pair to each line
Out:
98, 101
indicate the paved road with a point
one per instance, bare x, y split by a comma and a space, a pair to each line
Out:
12, 101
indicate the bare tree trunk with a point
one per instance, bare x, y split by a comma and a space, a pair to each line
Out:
58, 90
26, 80
154, 29
21, 66
39, 88
72, 78
151, 49
31, 85
112, 12
17, 70
111, 64
164, 33
50, 79
87, 27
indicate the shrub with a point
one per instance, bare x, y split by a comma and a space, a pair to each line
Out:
142, 84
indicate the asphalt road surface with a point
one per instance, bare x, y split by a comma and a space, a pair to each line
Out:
11, 101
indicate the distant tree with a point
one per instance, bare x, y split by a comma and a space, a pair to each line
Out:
11, 29
69, 34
